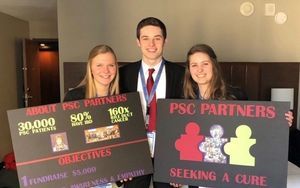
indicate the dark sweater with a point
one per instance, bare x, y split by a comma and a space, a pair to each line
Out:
77, 93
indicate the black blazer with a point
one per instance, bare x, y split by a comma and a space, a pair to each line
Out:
174, 78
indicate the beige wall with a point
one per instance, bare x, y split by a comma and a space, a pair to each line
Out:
43, 29
83, 24
12, 30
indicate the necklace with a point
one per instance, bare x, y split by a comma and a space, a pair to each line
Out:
202, 97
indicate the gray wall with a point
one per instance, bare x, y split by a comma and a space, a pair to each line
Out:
12, 30
83, 24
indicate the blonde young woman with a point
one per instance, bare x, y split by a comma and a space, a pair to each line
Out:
101, 79
102, 76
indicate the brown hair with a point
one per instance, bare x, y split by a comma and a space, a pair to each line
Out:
217, 86
151, 21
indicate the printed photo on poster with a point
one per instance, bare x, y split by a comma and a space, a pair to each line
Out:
102, 133
59, 142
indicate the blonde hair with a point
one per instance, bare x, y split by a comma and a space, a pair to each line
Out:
88, 81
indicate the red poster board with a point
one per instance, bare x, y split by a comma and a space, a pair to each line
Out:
228, 144
80, 143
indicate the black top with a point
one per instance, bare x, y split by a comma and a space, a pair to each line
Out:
232, 93
77, 93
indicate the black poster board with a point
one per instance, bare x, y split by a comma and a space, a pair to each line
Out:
226, 144
80, 143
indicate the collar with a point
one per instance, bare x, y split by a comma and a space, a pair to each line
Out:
146, 67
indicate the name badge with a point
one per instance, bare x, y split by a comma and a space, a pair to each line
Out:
151, 141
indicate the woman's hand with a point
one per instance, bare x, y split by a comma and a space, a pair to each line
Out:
289, 117
124, 180
175, 184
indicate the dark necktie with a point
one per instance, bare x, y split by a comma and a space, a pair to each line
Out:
152, 105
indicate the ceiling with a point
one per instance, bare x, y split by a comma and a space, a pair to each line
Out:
30, 10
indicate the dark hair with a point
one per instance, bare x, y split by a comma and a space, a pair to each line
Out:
204, 48
217, 83
151, 21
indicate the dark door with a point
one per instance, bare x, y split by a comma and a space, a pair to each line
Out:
41, 72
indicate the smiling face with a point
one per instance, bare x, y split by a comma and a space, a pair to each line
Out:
201, 69
59, 140
151, 42
104, 69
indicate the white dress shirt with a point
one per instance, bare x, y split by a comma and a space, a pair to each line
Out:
161, 86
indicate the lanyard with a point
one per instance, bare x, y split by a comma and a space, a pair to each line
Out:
149, 97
